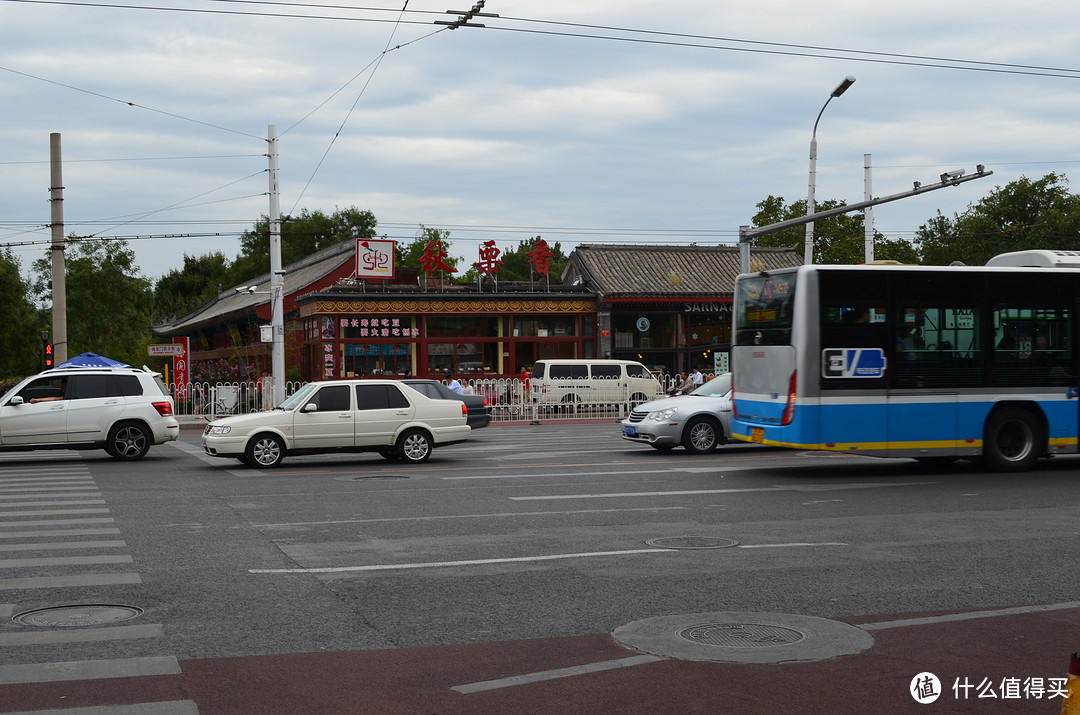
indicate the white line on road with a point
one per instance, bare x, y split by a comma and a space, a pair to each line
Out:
781, 488
473, 562
89, 670
553, 674
502, 515
99, 579
82, 635
65, 561
949, 618
47, 545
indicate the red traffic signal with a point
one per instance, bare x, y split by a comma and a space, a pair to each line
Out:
48, 355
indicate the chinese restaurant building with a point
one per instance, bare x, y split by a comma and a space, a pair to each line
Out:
351, 334
667, 306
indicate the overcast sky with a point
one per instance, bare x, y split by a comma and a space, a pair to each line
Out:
585, 121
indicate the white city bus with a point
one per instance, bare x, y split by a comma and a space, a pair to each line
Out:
930, 362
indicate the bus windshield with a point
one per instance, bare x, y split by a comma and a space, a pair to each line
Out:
764, 304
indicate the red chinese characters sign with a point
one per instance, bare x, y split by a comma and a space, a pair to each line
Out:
539, 257
489, 259
434, 258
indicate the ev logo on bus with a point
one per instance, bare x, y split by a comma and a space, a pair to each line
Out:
852, 362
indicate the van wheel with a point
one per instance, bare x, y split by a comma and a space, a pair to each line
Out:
414, 446
128, 441
265, 450
701, 435
1013, 440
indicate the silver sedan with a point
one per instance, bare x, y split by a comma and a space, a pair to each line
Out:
699, 421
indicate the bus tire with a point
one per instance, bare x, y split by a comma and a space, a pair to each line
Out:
1013, 440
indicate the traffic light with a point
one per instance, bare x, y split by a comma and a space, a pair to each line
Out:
48, 355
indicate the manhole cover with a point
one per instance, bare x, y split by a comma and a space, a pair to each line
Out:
741, 635
692, 542
76, 616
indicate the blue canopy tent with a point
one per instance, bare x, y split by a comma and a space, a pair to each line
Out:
92, 360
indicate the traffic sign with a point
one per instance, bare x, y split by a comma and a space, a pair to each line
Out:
164, 349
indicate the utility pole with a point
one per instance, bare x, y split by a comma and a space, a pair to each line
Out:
277, 278
949, 178
868, 212
59, 269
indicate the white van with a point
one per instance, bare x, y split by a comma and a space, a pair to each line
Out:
592, 382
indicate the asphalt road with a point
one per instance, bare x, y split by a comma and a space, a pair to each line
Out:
550, 568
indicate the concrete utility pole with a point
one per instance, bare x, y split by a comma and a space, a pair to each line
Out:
277, 278
59, 269
868, 212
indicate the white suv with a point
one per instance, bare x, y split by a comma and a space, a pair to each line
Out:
124, 410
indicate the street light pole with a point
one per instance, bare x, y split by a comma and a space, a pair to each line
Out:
808, 248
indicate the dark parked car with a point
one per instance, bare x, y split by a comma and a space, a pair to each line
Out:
477, 405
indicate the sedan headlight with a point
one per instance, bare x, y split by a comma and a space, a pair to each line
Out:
218, 429
662, 415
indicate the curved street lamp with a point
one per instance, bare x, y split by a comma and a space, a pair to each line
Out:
808, 248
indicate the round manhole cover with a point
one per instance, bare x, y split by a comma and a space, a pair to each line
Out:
741, 635
76, 616
692, 542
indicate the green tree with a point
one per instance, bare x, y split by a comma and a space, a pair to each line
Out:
182, 291
837, 240
416, 254
516, 265
108, 300
1023, 214
20, 350
301, 236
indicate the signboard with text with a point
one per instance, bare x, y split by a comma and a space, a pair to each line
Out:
181, 368
374, 258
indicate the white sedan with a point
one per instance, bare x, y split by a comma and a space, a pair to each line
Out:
699, 420
381, 416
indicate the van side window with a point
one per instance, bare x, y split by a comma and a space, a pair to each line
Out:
637, 371
568, 372
607, 372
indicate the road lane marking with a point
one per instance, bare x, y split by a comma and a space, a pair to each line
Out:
55, 512
65, 561
689, 492
471, 562
972, 615
501, 515
89, 670
82, 635
101, 579
53, 522
554, 674
47, 545
59, 532
792, 544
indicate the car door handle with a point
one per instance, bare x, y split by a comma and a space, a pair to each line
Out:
403, 413
346, 416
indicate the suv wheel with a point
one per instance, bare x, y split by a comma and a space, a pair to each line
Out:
128, 441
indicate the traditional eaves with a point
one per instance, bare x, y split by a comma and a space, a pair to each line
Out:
670, 271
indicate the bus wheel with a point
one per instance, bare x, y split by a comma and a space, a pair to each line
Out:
1013, 440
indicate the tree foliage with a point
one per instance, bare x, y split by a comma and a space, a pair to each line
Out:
20, 350
1023, 214
516, 265
837, 240
182, 291
301, 236
108, 300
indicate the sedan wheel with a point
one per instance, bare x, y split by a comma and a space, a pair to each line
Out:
265, 450
700, 436
414, 446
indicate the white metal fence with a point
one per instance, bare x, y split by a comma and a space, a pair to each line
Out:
508, 398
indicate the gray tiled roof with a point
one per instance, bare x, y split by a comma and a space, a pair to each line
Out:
304, 274
676, 271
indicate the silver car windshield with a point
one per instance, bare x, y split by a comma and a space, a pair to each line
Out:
716, 387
